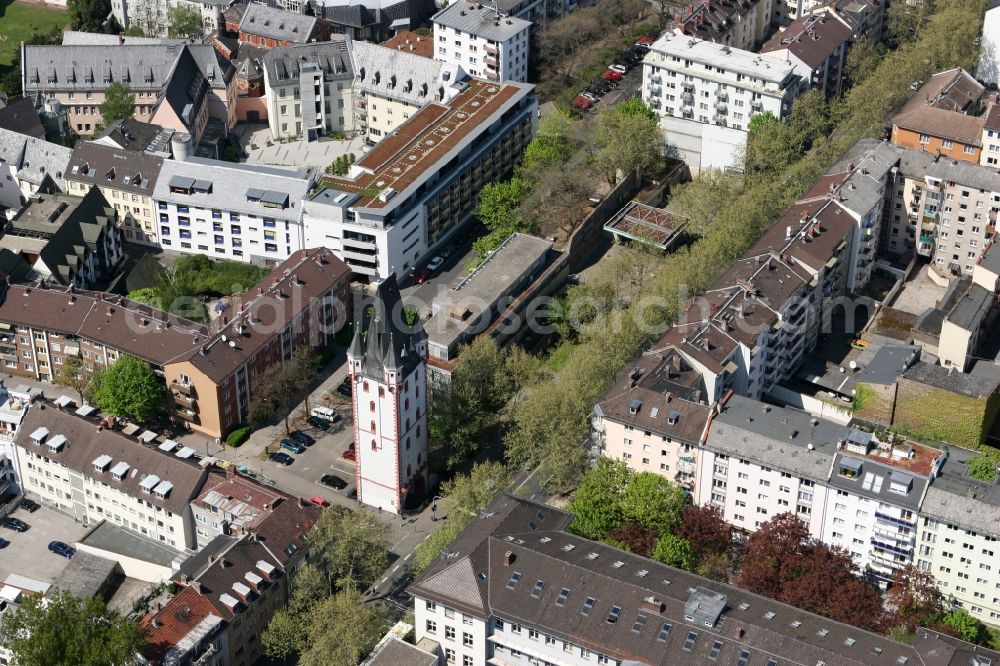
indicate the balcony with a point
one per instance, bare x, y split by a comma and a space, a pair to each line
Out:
656, 80
896, 536
757, 105
687, 85
187, 415
491, 49
491, 61
206, 656
186, 401
492, 76
720, 106
904, 522
182, 388
360, 103
722, 95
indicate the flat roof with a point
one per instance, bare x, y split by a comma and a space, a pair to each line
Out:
419, 145
480, 20
113, 539
771, 69
460, 308
86, 574
646, 224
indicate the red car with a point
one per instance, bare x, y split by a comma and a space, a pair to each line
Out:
350, 453
581, 103
421, 276
610, 75
319, 501
647, 40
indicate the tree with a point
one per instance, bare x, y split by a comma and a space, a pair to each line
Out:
280, 388
342, 629
674, 551
597, 505
498, 202
706, 531
784, 563
88, 15
118, 104
147, 296
654, 502
635, 107
287, 632
703, 198
967, 627
715, 566
626, 140
73, 375
184, 21
913, 600
353, 544
134, 31
64, 629
634, 538
129, 388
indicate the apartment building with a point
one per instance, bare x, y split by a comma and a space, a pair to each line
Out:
96, 474
415, 189
125, 178
944, 117
309, 89
816, 46
706, 93
268, 27
14, 405
653, 420
957, 538
866, 18
518, 588
990, 155
392, 85
209, 371
954, 330
78, 76
739, 24
67, 240
137, 137
240, 212
483, 42
29, 166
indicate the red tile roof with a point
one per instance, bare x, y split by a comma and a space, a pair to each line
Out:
177, 618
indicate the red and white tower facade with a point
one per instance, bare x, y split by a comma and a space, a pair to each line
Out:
388, 361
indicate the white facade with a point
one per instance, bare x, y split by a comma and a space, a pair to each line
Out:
988, 70
230, 211
964, 565
462, 637
484, 44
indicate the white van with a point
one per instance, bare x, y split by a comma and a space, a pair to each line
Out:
323, 412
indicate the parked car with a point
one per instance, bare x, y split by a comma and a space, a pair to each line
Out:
29, 505
332, 481
345, 388
422, 275
4, 543
611, 75
318, 501
302, 438
318, 422
14, 524
294, 447
581, 103
350, 453
352, 493
648, 40
435, 264
282, 458
590, 96
641, 47
621, 69
60, 548
324, 412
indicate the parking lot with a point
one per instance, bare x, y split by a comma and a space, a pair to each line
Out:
28, 553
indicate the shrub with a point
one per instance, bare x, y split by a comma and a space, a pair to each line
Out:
238, 436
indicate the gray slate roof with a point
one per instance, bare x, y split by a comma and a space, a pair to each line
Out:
145, 67
35, 159
230, 184
333, 57
22, 118
277, 24
480, 20
384, 342
980, 382
78, 38
402, 75
863, 466
862, 191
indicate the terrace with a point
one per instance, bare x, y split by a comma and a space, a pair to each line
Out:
645, 224
903, 455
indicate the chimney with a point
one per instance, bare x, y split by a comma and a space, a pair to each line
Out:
654, 605
508, 558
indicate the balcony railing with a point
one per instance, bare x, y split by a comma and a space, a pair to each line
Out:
187, 415
186, 401
184, 389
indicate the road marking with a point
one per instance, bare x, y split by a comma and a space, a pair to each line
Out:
394, 569
408, 556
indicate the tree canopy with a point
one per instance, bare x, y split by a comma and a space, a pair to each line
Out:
88, 15
281, 387
73, 375
128, 388
65, 630
118, 104
184, 20
353, 544
628, 137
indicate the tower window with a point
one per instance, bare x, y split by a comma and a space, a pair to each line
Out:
374, 445
407, 443
371, 405
406, 404
409, 471
381, 392
373, 427
364, 385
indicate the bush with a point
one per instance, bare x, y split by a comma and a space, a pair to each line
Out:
983, 467
238, 436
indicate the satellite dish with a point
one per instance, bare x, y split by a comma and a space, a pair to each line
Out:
232, 343
854, 365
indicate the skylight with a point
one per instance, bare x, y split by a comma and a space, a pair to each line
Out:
713, 654
769, 615
613, 614
588, 605
822, 633
537, 590
664, 632
563, 596
744, 658
640, 622
689, 641
514, 578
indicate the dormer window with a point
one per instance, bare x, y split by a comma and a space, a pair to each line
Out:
849, 468
120, 471
634, 406
39, 435
101, 463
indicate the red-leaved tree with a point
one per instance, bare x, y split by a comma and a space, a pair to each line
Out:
705, 530
635, 538
913, 600
784, 563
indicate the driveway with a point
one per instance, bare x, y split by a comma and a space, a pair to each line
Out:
28, 553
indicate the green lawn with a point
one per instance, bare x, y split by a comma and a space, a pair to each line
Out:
20, 20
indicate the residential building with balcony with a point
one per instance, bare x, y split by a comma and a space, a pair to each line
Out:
958, 537
240, 212
413, 191
652, 419
391, 85
866, 18
125, 178
990, 155
77, 76
706, 93
740, 24
30, 166
759, 461
518, 588
267, 27
943, 117
483, 42
14, 406
816, 46
875, 491
95, 474
308, 89
67, 240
